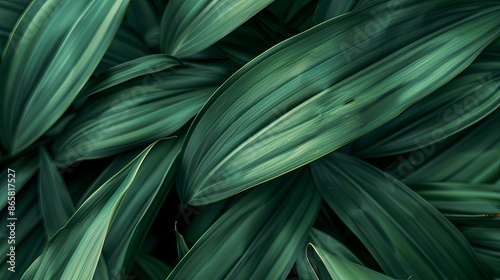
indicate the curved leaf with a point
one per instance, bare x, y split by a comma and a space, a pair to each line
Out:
132, 69
405, 234
148, 267
328, 9
53, 50
468, 98
10, 11
68, 254
137, 112
319, 90
461, 198
55, 202
24, 167
473, 158
191, 26
328, 266
140, 206
258, 237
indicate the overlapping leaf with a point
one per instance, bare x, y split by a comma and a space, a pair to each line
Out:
327, 243
52, 51
328, 266
474, 158
465, 100
137, 112
325, 87
259, 236
461, 198
405, 234
68, 254
191, 26
10, 11
24, 168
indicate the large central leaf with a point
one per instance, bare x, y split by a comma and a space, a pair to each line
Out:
325, 87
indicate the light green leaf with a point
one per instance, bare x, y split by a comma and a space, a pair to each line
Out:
51, 53
141, 205
132, 69
191, 26
137, 112
461, 198
325, 87
259, 236
328, 266
405, 234
55, 202
467, 99
68, 254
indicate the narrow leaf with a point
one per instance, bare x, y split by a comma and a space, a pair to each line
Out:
258, 237
328, 266
68, 254
191, 26
405, 234
51, 53
55, 202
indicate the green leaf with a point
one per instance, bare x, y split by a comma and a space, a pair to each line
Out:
259, 236
27, 252
51, 53
328, 9
137, 112
10, 11
24, 168
482, 233
461, 198
405, 234
141, 205
191, 26
126, 45
328, 266
467, 99
325, 87
473, 158
329, 244
132, 69
68, 254
148, 267
55, 202
182, 247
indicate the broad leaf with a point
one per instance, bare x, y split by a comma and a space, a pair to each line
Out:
10, 11
258, 237
405, 234
51, 53
148, 267
325, 87
191, 26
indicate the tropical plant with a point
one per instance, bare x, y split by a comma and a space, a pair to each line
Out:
238, 139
